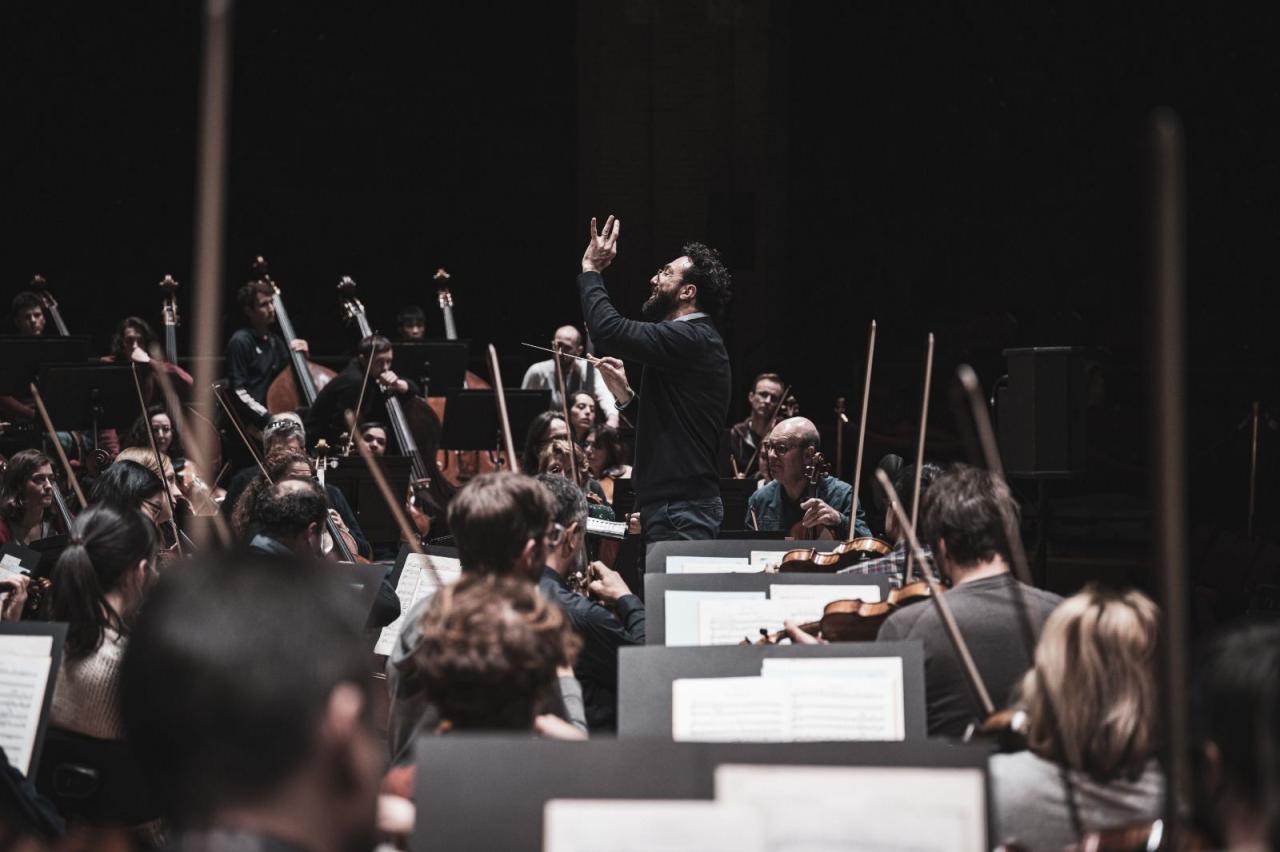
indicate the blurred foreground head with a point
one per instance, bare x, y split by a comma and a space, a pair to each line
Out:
244, 692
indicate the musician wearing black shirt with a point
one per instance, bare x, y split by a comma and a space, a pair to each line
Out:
683, 399
328, 418
255, 354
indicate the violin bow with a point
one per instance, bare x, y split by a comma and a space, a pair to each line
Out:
155, 450
924, 425
862, 431
568, 424
1167, 367
495, 373
944, 609
368, 371
773, 419
57, 445
174, 406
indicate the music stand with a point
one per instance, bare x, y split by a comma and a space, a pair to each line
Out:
22, 357
735, 493
90, 396
471, 418
353, 479
437, 365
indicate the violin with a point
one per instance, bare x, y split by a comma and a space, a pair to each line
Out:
41, 288
855, 620
844, 554
339, 538
294, 389
815, 470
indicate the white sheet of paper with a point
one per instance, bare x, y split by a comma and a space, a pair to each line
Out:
682, 612
10, 561
730, 709
829, 593
22, 683
762, 558
624, 825
729, 622
861, 807
29, 646
417, 581
709, 565
843, 698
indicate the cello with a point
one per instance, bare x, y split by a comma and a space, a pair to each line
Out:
209, 434
295, 388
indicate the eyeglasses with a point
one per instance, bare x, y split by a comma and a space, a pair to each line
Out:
554, 533
777, 448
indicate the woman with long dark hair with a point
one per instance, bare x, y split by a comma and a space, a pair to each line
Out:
98, 585
585, 415
606, 456
544, 429
27, 512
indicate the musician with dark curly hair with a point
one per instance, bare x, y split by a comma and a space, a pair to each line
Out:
680, 409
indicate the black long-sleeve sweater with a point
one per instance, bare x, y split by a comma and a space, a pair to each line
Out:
683, 398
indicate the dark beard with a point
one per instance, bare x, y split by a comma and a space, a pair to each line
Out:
659, 306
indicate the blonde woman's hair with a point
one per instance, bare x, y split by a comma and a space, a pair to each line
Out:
560, 451
1096, 660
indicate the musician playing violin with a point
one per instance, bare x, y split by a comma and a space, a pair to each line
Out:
343, 393
785, 501
745, 437
256, 354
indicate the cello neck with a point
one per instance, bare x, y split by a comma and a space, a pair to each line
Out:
446, 308
300, 369
169, 312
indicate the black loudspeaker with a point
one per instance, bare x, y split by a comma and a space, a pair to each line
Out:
1041, 412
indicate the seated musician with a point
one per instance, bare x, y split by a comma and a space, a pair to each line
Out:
426, 514
27, 512
585, 414
411, 322
13, 596
256, 354
98, 586
746, 437
503, 525
1235, 716
167, 440
1092, 711
283, 431
489, 655
245, 694
285, 464
545, 428
578, 375
962, 517
27, 313
784, 502
606, 457
132, 341
611, 618
894, 565
131, 485
327, 418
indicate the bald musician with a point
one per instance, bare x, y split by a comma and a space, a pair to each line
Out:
784, 501
578, 375
684, 390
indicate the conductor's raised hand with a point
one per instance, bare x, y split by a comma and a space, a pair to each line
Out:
603, 246
615, 378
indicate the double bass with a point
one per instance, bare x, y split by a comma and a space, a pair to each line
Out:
294, 388
457, 466
413, 422
41, 288
209, 434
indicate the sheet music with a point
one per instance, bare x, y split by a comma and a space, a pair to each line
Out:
808, 601
843, 698
709, 565
24, 674
682, 612
623, 825
417, 581
829, 807
730, 709
727, 622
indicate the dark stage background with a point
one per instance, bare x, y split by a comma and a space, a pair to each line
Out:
974, 172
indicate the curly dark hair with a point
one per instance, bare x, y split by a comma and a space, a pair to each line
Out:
248, 293
708, 273
117, 339
489, 651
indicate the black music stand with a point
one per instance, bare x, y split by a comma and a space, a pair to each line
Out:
436, 365
22, 357
89, 396
471, 418
353, 479
735, 493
